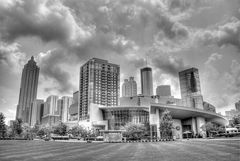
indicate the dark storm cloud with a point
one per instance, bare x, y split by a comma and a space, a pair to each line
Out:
50, 68
3, 57
226, 34
138, 21
11, 55
87, 29
180, 4
169, 64
48, 20
72, 22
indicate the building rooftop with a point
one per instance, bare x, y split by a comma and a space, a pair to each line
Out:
193, 69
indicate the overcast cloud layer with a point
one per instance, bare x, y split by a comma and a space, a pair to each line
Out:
171, 34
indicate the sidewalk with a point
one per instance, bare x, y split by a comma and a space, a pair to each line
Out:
207, 139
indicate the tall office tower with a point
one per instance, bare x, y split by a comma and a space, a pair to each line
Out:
146, 81
189, 82
99, 84
73, 109
75, 97
36, 112
129, 87
59, 108
66, 103
190, 87
163, 90
28, 90
50, 106
237, 105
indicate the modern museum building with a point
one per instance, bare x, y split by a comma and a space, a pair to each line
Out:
189, 113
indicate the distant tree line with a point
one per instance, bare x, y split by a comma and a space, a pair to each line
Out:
19, 130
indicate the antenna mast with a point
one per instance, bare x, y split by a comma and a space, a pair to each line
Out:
146, 62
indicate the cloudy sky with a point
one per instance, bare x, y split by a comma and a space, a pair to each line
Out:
172, 34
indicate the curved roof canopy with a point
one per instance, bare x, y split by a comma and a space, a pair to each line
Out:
181, 112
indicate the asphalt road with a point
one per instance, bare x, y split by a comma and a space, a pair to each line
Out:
188, 150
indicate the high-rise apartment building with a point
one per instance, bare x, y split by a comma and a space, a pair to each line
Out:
51, 112
189, 82
50, 106
36, 112
59, 107
99, 84
75, 97
66, 103
146, 81
163, 90
73, 109
28, 90
129, 87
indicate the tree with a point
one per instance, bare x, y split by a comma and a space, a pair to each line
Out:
134, 131
35, 129
79, 131
17, 126
3, 128
166, 125
44, 131
60, 129
236, 120
27, 131
210, 128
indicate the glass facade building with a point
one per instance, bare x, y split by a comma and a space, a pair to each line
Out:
119, 116
146, 81
189, 82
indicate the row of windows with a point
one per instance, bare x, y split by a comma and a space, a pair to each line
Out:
121, 117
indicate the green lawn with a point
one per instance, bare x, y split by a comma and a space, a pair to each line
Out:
187, 150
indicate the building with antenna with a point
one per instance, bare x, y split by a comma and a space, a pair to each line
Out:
189, 113
28, 90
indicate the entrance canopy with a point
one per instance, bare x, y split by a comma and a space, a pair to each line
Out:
181, 112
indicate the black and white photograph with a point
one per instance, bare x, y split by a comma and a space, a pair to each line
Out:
119, 80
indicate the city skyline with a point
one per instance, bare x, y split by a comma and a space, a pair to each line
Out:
172, 35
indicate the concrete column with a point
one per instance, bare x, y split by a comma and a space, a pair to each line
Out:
194, 125
158, 123
200, 122
151, 131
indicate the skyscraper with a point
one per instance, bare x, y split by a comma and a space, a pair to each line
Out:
189, 82
163, 90
73, 109
99, 84
28, 90
50, 106
237, 105
36, 112
66, 103
59, 107
146, 81
190, 87
51, 112
129, 87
